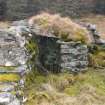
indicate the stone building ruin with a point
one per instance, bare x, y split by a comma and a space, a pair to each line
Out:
59, 56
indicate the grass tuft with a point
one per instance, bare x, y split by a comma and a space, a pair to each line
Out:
61, 27
64, 85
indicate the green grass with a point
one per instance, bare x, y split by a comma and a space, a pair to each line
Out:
98, 59
69, 84
91, 78
63, 83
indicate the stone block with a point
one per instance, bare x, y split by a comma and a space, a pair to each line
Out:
64, 51
74, 56
11, 53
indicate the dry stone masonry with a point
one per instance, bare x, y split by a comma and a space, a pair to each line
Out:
53, 54
74, 56
12, 55
56, 55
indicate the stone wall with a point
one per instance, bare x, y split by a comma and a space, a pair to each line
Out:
53, 54
13, 66
57, 56
74, 56
11, 53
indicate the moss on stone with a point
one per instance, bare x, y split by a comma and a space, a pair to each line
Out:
9, 77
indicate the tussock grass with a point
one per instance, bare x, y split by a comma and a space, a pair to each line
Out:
61, 27
98, 59
64, 86
91, 78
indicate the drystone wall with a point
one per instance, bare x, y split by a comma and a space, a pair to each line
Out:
74, 56
53, 55
56, 55
11, 54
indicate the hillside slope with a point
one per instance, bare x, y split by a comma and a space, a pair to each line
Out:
98, 20
20, 9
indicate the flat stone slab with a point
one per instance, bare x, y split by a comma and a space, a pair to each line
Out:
15, 102
5, 71
6, 98
18, 70
6, 87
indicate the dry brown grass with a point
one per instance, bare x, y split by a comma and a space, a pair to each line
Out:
98, 59
62, 27
66, 89
4, 24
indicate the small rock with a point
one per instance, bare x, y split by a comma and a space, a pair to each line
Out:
15, 102
6, 98
47, 87
6, 88
8, 63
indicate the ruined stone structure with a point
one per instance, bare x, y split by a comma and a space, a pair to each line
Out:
58, 56
53, 55
12, 55
19, 9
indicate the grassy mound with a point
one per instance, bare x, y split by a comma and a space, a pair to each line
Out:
61, 27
